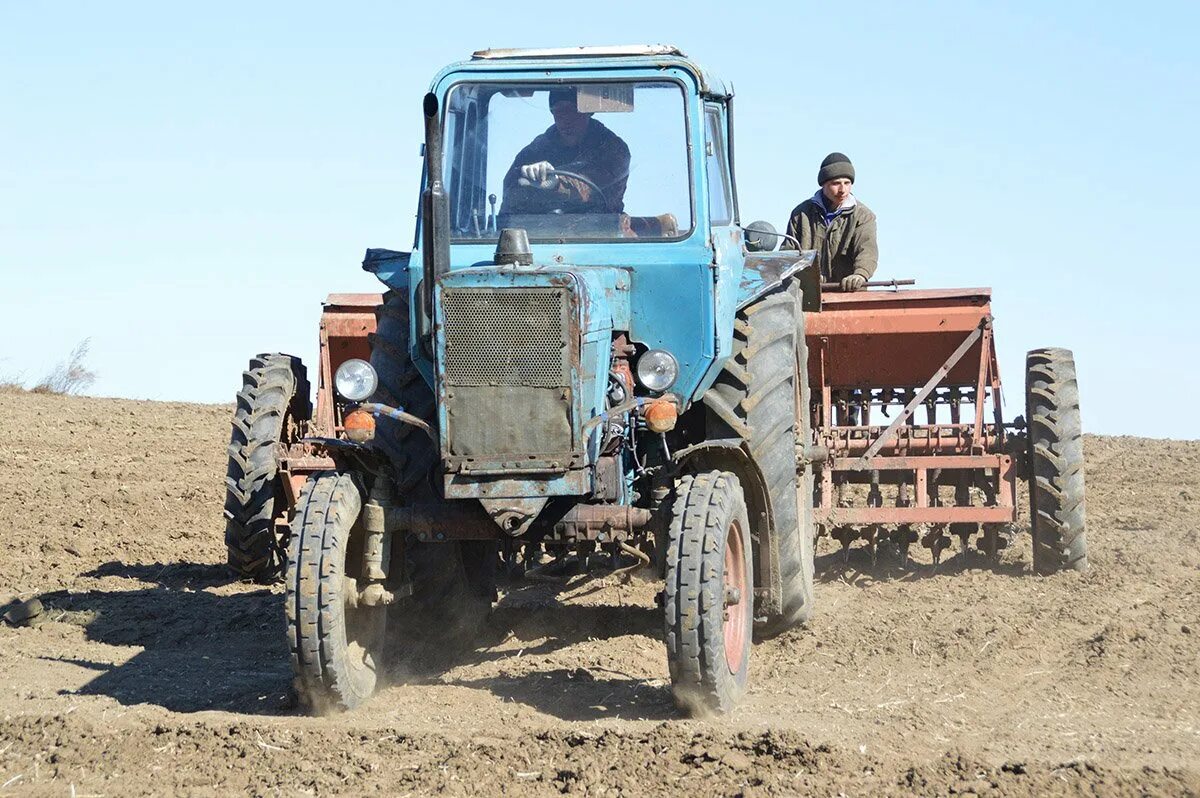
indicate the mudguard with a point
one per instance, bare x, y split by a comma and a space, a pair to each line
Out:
766, 271
731, 454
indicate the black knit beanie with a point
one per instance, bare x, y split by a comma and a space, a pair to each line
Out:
834, 166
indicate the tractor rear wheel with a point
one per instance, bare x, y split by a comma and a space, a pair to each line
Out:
273, 403
801, 600
453, 583
1056, 488
336, 645
709, 596
411, 453
764, 390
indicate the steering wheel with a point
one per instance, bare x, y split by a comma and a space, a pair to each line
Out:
588, 182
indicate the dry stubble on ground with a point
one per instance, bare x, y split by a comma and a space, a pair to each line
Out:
157, 674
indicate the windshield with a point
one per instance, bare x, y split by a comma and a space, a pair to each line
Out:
568, 162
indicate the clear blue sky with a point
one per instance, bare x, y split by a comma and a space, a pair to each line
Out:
183, 183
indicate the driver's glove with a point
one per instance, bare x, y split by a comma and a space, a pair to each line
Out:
538, 174
854, 282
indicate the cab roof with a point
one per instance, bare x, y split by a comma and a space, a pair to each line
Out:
549, 59
579, 52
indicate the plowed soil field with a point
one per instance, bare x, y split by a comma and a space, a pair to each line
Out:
155, 673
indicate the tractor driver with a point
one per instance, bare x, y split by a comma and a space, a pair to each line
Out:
537, 181
838, 226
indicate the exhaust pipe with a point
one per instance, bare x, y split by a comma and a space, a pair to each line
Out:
435, 220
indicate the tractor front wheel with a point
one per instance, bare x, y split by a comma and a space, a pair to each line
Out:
1055, 453
709, 604
337, 645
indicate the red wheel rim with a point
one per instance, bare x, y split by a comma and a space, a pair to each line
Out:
737, 617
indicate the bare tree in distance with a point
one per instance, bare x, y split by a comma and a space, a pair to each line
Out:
70, 376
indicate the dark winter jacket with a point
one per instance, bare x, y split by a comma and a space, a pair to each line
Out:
844, 239
600, 155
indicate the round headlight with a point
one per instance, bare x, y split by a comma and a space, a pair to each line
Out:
355, 380
657, 370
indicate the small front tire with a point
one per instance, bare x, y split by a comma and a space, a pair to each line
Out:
709, 598
337, 646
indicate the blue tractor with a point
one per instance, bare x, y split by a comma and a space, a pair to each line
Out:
584, 353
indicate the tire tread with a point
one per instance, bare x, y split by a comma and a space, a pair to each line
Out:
274, 388
1056, 463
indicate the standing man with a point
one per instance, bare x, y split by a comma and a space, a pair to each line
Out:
839, 227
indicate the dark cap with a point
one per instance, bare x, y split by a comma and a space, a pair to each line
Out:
565, 94
833, 167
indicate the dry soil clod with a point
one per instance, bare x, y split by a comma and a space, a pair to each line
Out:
25, 613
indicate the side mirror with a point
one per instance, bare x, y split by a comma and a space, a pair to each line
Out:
761, 236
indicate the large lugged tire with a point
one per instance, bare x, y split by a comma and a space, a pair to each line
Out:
708, 602
274, 399
1056, 490
761, 386
337, 648
800, 600
453, 583
410, 451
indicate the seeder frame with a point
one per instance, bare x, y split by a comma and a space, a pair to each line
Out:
871, 351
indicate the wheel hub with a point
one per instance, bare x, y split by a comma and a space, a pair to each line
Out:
736, 618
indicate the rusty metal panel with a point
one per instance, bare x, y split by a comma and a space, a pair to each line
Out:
520, 368
872, 361
468, 486
504, 420
938, 377
943, 438
949, 296
874, 338
849, 516
346, 322
921, 461
346, 301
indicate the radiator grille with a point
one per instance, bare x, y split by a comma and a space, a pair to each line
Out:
506, 336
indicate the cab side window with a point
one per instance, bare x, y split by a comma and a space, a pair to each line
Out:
720, 202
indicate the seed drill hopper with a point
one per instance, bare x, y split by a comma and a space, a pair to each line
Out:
908, 425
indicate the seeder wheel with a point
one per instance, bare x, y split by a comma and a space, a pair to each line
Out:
1055, 467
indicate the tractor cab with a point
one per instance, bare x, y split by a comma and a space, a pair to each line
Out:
617, 130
